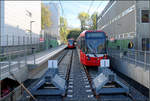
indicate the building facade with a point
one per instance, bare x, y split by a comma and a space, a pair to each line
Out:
20, 22
127, 21
127, 24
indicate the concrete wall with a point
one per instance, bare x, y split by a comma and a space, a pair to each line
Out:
143, 29
122, 20
133, 71
16, 23
118, 20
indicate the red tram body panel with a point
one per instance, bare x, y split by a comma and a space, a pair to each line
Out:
92, 46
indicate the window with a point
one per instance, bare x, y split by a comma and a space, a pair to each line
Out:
146, 44
145, 16
82, 44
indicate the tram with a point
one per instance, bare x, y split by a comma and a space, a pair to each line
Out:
71, 43
92, 47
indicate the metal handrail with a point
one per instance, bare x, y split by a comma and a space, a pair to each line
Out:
134, 53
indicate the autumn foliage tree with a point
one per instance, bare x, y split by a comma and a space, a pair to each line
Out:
45, 17
84, 18
63, 30
74, 33
94, 21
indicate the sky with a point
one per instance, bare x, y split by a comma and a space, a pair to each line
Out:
71, 9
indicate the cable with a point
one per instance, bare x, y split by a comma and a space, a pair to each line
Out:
99, 6
61, 8
90, 6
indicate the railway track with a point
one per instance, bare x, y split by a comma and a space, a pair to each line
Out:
79, 82
31, 82
134, 95
33, 74
78, 85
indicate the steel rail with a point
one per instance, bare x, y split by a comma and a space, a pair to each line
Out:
68, 72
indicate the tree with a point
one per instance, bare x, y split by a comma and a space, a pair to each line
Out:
83, 17
45, 17
63, 30
94, 21
74, 33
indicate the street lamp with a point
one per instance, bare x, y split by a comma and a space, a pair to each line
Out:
31, 30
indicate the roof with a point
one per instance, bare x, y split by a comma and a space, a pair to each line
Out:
84, 32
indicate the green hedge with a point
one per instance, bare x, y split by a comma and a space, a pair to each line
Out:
122, 44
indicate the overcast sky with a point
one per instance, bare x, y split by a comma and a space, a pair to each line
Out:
73, 8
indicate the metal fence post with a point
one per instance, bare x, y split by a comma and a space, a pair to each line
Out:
25, 53
13, 39
145, 62
18, 60
9, 62
135, 58
23, 40
34, 55
18, 40
7, 40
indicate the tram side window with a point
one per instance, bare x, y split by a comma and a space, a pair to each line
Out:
146, 44
82, 44
79, 43
145, 16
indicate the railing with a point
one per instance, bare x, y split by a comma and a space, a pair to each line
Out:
15, 60
13, 40
136, 57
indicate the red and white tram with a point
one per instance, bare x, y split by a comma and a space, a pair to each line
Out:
71, 43
92, 47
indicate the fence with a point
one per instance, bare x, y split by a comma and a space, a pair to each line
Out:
136, 57
12, 40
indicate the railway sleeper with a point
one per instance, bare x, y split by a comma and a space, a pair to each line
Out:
107, 83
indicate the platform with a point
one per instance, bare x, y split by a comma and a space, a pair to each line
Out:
18, 65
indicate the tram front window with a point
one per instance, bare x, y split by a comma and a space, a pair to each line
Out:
70, 42
95, 43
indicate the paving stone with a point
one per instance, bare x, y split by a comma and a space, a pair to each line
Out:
89, 96
70, 83
89, 90
70, 90
87, 82
87, 86
70, 86
69, 95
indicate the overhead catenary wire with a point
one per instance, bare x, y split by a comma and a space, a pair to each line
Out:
90, 6
61, 8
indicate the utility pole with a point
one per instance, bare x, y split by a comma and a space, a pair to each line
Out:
96, 21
